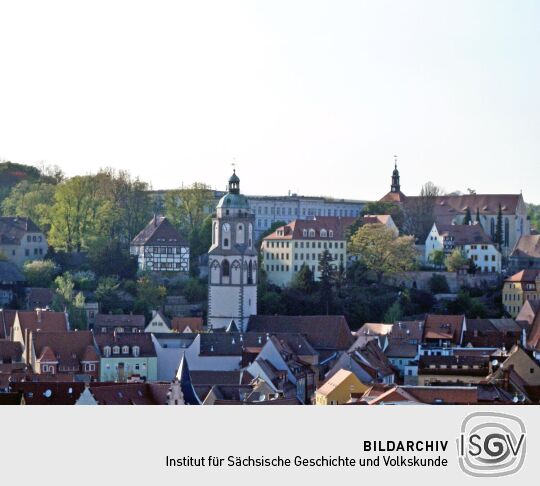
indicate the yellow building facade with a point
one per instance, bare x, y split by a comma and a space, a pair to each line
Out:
337, 390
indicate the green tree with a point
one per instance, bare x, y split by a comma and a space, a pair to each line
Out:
438, 284
455, 261
65, 299
382, 253
149, 295
39, 273
79, 214
32, 200
327, 274
107, 294
533, 212
304, 280
394, 313
188, 207
467, 219
437, 257
478, 220
499, 229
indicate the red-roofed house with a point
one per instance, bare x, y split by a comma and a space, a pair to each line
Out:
72, 352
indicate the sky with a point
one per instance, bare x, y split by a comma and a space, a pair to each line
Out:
314, 97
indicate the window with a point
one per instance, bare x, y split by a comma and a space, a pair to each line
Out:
323, 233
125, 349
136, 351
331, 234
226, 268
107, 351
116, 350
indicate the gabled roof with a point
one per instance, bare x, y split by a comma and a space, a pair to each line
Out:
160, 232
7, 318
68, 348
14, 228
295, 229
120, 320
39, 298
180, 324
130, 393
336, 380
533, 338
42, 320
10, 351
524, 276
527, 246
395, 197
322, 332
445, 327
526, 315
464, 234
130, 339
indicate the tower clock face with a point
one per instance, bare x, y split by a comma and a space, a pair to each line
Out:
226, 227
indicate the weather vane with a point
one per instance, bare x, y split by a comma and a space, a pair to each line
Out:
395, 160
234, 165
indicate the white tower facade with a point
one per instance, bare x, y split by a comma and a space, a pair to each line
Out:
232, 261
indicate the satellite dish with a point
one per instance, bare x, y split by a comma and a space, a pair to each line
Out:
47, 394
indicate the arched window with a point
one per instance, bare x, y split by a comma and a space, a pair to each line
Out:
492, 227
225, 268
215, 234
136, 351
312, 233
331, 234
304, 233
116, 350
323, 233
225, 242
506, 231
240, 238
107, 351
125, 349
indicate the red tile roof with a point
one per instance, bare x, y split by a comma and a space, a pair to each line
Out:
160, 232
46, 321
395, 197
527, 246
524, 276
7, 318
68, 348
295, 229
322, 332
463, 234
446, 327
179, 324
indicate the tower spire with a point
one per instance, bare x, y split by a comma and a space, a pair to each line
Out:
395, 187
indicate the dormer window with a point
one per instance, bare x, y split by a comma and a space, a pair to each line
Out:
116, 350
323, 233
312, 233
107, 351
331, 234
125, 349
136, 351
304, 233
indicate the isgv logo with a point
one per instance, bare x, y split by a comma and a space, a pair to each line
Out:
491, 444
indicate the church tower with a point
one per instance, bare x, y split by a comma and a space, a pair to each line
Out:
395, 187
232, 261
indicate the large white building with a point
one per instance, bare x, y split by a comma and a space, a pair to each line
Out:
302, 242
271, 209
232, 261
472, 240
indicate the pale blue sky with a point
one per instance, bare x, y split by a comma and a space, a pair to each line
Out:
309, 96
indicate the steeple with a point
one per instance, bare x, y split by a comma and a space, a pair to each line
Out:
234, 183
395, 187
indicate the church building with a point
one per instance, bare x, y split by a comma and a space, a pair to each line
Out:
232, 261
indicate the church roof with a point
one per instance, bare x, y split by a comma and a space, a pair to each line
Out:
233, 201
395, 197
